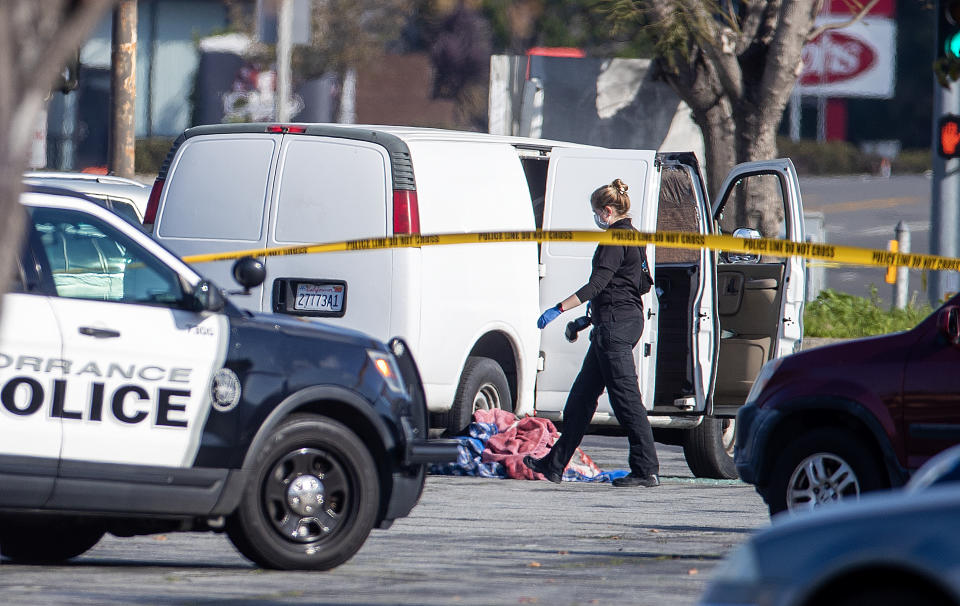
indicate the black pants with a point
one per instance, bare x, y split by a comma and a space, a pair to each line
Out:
608, 364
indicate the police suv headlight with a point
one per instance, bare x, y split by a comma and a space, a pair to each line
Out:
766, 373
386, 365
738, 567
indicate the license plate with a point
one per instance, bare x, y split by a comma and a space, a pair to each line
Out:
319, 297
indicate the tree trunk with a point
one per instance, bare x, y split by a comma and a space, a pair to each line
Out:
719, 145
699, 87
759, 202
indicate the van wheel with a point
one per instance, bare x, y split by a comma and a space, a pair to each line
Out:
311, 500
483, 386
822, 466
708, 448
47, 540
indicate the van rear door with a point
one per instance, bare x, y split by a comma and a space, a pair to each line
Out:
215, 198
574, 174
760, 299
330, 189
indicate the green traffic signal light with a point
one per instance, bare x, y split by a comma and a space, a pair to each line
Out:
951, 46
949, 28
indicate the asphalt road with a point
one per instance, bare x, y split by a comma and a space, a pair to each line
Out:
864, 211
469, 541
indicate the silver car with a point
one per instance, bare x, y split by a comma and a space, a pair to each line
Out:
894, 548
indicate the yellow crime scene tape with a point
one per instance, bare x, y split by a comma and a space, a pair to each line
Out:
846, 255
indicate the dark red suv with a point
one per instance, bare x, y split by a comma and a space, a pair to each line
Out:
830, 423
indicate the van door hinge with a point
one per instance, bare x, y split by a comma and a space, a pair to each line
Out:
646, 350
542, 270
541, 361
657, 163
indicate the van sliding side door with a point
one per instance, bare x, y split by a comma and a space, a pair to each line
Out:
574, 174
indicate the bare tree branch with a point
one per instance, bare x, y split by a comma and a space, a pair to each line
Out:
842, 24
719, 43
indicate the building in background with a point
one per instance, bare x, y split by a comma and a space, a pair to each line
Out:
617, 103
857, 61
167, 60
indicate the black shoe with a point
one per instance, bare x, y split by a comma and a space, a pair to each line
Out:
538, 466
632, 480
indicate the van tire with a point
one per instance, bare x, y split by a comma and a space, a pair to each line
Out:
483, 385
708, 448
262, 526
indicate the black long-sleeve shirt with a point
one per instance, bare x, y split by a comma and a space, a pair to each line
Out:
616, 276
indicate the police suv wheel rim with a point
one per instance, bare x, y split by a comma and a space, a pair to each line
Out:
487, 398
306, 495
819, 479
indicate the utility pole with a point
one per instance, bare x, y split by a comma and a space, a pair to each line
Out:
123, 89
284, 45
945, 187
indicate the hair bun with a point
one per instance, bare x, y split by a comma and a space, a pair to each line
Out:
620, 186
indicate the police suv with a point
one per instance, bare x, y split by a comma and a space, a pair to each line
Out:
135, 399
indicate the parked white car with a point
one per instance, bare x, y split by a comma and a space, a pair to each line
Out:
125, 197
469, 311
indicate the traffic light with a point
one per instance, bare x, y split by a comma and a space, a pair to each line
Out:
948, 141
948, 29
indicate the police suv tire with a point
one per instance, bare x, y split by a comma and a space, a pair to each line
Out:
483, 384
708, 449
838, 447
46, 540
311, 449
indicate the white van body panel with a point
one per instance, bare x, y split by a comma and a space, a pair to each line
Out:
476, 187
573, 175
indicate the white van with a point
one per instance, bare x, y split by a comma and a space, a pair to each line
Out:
469, 311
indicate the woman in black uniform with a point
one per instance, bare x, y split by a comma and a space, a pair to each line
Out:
620, 276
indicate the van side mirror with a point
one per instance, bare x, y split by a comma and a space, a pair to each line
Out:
207, 297
249, 273
737, 257
949, 323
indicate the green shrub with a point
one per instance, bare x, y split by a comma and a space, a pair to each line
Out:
150, 153
912, 161
843, 158
837, 314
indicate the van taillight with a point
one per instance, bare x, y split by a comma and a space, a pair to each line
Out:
286, 128
153, 203
406, 212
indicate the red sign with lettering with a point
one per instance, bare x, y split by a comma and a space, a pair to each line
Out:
834, 57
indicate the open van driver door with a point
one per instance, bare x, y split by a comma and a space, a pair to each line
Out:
760, 298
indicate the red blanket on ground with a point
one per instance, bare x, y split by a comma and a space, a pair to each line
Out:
516, 439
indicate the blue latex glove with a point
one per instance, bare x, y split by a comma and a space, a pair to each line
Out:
549, 316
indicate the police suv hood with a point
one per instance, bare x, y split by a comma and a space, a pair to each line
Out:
302, 328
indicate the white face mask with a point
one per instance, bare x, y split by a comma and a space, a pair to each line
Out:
599, 221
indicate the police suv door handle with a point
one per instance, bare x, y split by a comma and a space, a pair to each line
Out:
98, 333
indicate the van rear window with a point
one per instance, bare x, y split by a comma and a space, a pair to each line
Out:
218, 190
331, 191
